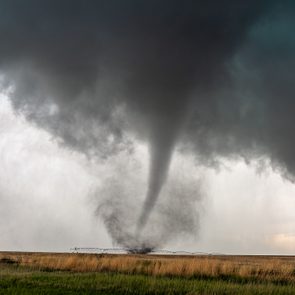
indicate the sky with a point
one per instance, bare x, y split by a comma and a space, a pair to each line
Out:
147, 125
47, 198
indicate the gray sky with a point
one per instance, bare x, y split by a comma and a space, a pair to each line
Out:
135, 121
48, 203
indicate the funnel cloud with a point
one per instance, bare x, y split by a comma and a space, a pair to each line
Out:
214, 78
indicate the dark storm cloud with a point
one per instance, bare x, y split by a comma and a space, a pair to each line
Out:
215, 75
253, 115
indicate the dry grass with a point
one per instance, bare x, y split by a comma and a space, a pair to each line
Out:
270, 268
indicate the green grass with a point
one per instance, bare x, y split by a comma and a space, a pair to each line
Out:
23, 280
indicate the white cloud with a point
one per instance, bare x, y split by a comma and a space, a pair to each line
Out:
43, 190
45, 203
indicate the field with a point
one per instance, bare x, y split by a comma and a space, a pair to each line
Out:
53, 273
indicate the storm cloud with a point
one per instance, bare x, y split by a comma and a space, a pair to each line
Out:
213, 77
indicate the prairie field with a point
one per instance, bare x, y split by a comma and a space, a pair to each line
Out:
72, 273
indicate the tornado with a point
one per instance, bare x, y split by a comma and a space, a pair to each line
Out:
100, 76
161, 151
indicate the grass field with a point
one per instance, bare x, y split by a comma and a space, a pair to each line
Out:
47, 273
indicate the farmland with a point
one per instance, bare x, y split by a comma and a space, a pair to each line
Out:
70, 273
